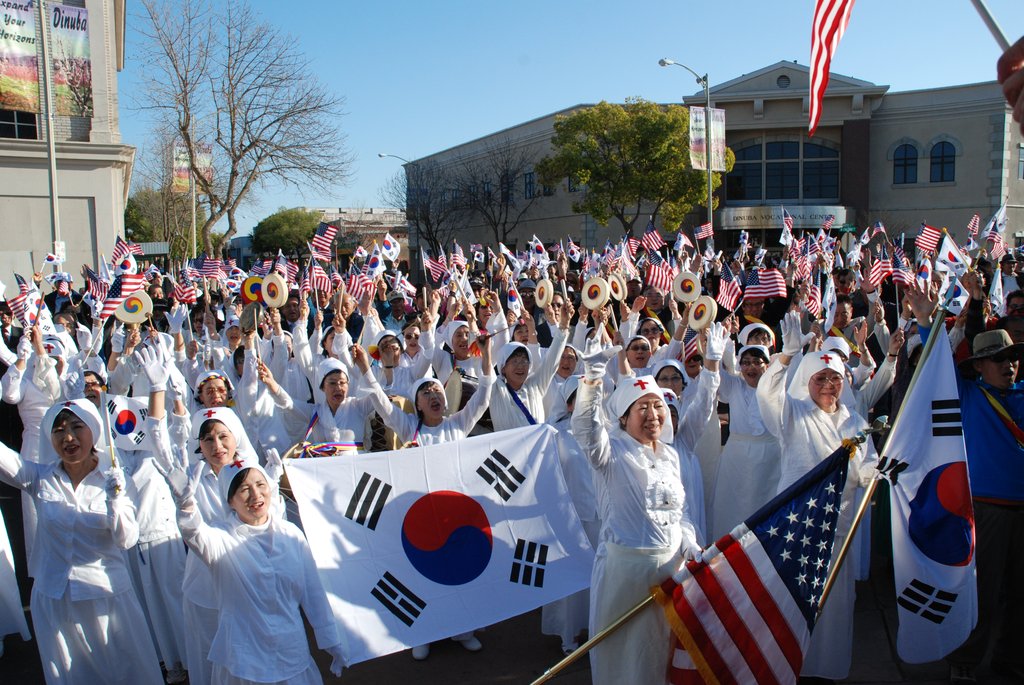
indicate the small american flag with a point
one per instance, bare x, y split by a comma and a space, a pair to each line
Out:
123, 248
998, 248
973, 224
928, 239
691, 343
881, 268
901, 272
95, 285
632, 244
261, 268
305, 284
123, 286
765, 283
185, 292
704, 231
359, 284
787, 220
729, 292
827, 223
320, 281
458, 257
322, 241
336, 280
813, 301
660, 275
651, 239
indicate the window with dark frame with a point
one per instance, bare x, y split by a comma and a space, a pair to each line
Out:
784, 170
943, 163
529, 185
904, 165
20, 125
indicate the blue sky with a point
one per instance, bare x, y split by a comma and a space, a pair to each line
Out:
419, 77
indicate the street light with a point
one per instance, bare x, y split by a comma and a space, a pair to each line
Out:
382, 155
702, 81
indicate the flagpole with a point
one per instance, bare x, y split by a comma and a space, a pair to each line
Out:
865, 501
51, 150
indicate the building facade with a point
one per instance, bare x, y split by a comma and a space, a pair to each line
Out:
937, 156
93, 166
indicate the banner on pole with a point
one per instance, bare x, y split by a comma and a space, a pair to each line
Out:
72, 65
424, 543
698, 139
180, 170
19, 64
204, 161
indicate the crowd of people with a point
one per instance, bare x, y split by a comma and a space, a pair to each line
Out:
672, 430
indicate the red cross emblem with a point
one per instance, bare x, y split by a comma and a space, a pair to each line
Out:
209, 413
826, 358
238, 463
69, 404
49, 348
640, 384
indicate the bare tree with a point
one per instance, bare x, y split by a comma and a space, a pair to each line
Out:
222, 76
494, 186
430, 195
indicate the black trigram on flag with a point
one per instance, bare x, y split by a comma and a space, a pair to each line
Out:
528, 563
398, 599
367, 501
926, 601
946, 418
501, 475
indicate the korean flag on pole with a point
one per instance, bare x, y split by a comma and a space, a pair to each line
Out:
427, 542
932, 514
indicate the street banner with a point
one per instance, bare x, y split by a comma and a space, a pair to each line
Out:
932, 514
204, 161
72, 66
19, 64
424, 543
180, 170
698, 139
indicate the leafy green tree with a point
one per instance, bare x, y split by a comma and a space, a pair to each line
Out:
634, 160
286, 229
137, 226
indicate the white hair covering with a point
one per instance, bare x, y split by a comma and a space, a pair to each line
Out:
87, 412
630, 390
810, 365
244, 450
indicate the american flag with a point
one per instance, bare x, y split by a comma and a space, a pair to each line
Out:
881, 268
928, 239
123, 248
787, 220
826, 225
261, 268
206, 267
765, 283
185, 292
323, 240
998, 248
123, 286
632, 244
336, 280
879, 227
458, 257
358, 284
651, 239
320, 281
973, 224
288, 269
691, 343
749, 605
305, 284
901, 272
660, 275
437, 268
95, 285
813, 301
830, 20
704, 231
729, 292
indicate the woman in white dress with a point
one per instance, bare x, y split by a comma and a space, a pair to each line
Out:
644, 532
88, 622
748, 470
810, 421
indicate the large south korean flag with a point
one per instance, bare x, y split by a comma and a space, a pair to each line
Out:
420, 544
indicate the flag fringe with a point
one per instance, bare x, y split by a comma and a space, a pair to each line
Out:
680, 631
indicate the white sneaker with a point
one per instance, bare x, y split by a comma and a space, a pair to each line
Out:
420, 652
471, 644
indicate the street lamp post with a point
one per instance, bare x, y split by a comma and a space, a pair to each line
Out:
703, 82
415, 233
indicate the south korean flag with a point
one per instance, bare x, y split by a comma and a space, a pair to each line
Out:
427, 542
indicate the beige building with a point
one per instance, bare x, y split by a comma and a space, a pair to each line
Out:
936, 156
93, 166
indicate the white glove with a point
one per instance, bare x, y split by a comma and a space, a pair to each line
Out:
183, 488
176, 385
176, 318
152, 362
24, 347
595, 359
115, 482
717, 338
792, 336
691, 551
338, 661
117, 339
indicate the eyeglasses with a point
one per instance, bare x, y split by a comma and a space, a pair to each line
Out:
94, 384
1004, 357
518, 361
557, 304
336, 383
411, 336
830, 381
639, 348
670, 378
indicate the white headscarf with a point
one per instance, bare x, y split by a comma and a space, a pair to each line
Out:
87, 412
244, 450
810, 365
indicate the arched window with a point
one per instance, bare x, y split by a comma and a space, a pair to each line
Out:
943, 168
904, 164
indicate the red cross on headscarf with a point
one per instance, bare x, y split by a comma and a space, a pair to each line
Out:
69, 404
826, 358
640, 384
238, 463
209, 413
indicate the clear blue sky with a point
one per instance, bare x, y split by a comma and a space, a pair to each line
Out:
419, 77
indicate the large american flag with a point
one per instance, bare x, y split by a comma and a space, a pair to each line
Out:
704, 231
651, 239
745, 612
830, 20
729, 292
765, 283
928, 239
123, 286
322, 241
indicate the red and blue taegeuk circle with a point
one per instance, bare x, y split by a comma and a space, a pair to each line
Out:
942, 517
125, 421
447, 537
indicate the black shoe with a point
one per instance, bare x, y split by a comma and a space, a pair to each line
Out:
961, 675
1008, 670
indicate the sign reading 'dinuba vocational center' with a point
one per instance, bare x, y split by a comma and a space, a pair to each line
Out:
804, 216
